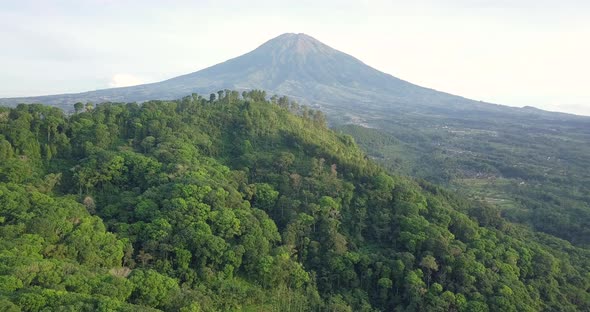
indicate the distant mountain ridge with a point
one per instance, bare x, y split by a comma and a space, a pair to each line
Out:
298, 66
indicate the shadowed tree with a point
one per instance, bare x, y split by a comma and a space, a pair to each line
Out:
78, 107
429, 263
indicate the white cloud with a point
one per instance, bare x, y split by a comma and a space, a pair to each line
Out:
124, 80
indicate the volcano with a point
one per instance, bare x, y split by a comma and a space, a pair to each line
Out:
305, 69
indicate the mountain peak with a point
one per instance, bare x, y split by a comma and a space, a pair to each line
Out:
293, 64
295, 43
294, 37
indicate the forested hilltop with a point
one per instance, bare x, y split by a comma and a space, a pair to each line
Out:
234, 202
530, 163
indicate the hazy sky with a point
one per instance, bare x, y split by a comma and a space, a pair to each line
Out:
512, 52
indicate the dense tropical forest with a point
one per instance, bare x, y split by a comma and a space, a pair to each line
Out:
236, 202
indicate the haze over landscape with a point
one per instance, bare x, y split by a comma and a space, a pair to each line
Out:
275, 156
525, 53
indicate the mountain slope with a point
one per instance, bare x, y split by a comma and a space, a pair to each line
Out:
288, 64
298, 66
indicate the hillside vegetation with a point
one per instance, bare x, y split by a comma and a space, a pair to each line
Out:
238, 203
535, 169
531, 164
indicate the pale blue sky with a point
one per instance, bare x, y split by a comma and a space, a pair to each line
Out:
518, 52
